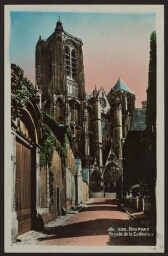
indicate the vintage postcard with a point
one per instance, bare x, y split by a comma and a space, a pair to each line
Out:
84, 128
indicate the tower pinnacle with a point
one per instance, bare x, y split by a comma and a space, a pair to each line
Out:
59, 26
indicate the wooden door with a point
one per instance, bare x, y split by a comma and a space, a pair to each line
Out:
23, 187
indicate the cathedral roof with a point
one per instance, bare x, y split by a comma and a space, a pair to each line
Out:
138, 120
59, 26
120, 85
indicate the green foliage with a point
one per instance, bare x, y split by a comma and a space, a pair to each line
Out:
152, 78
136, 186
48, 141
135, 190
48, 144
22, 91
47, 118
54, 135
150, 133
60, 130
68, 136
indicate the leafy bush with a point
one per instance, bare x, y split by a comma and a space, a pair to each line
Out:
135, 190
22, 91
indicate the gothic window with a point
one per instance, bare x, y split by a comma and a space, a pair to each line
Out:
47, 106
103, 102
91, 144
76, 113
59, 110
105, 125
130, 107
73, 90
74, 63
70, 112
72, 130
70, 89
76, 92
89, 119
71, 62
67, 57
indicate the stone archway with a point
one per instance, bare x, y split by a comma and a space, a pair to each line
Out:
25, 172
95, 181
110, 178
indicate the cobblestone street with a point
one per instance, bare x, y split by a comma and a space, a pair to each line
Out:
90, 228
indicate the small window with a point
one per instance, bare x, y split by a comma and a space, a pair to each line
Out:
71, 62
74, 63
67, 57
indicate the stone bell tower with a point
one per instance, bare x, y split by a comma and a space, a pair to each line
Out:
60, 77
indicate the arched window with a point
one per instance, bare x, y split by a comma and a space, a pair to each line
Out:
67, 57
76, 113
89, 117
47, 106
59, 110
71, 62
72, 113
74, 63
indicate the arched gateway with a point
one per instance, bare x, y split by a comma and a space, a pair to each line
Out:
105, 179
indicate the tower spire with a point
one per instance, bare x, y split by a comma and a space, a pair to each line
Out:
95, 92
59, 26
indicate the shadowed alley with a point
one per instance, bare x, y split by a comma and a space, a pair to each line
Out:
90, 227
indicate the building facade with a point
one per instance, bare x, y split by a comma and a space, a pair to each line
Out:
45, 179
98, 122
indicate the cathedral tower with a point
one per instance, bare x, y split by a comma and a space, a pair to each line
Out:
122, 98
60, 77
122, 102
99, 123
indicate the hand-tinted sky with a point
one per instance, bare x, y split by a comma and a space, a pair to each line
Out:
114, 45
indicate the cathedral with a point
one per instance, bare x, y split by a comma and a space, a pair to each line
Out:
99, 122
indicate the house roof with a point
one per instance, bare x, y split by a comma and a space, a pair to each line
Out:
120, 85
138, 120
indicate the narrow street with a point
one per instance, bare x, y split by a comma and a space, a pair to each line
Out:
90, 228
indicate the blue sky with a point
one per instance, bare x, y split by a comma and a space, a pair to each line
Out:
114, 45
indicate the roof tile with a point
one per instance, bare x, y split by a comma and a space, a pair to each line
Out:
120, 85
138, 120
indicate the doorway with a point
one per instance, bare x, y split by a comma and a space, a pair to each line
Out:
23, 187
